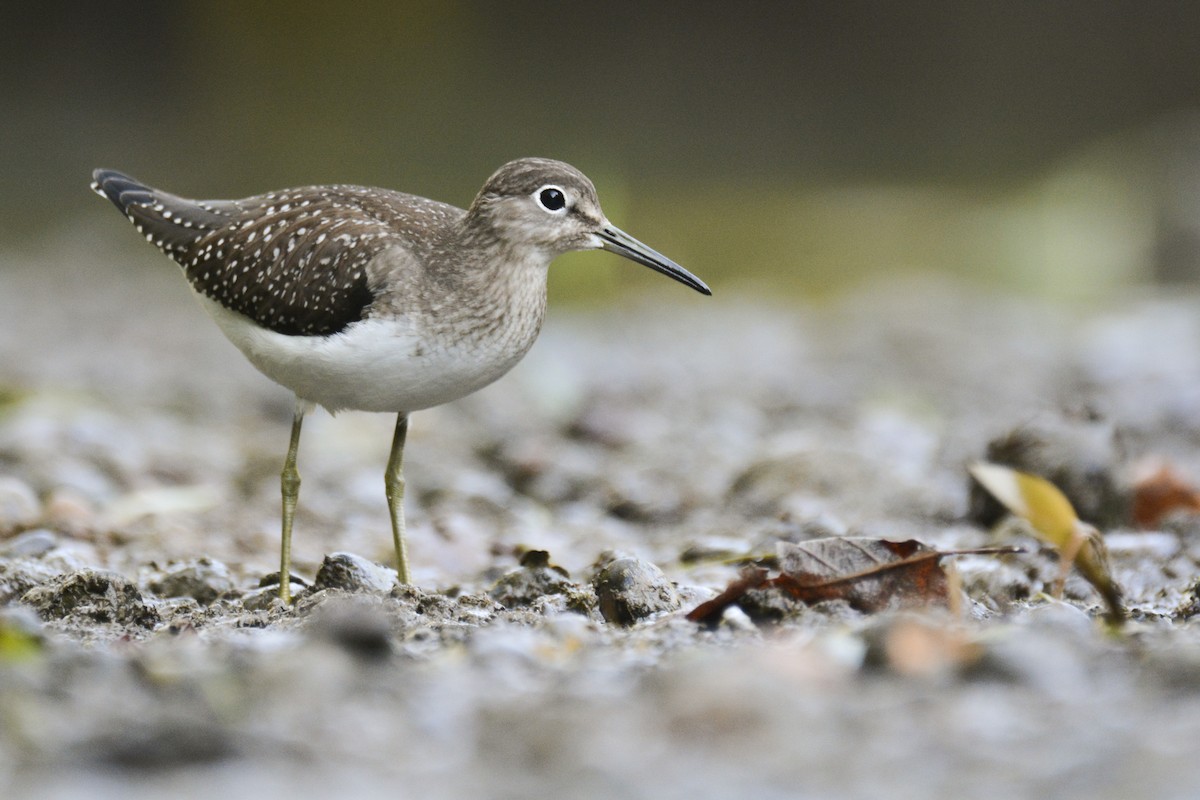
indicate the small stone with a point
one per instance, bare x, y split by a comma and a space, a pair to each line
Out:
358, 625
264, 597
203, 580
30, 544
92, 594
353, 573
535, 578
72, 555
17, 578
19, 505
168, 739
767, 606
629, 589
70, 512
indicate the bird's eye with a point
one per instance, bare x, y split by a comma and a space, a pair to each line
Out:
552, 199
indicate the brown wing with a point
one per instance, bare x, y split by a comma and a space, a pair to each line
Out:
293, 261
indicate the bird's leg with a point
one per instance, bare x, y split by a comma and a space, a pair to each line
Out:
290, 483
393, 481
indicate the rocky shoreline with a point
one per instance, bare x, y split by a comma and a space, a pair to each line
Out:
563, 522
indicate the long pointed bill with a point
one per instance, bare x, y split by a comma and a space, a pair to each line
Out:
615, 240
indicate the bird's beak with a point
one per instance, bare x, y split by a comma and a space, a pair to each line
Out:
615, 240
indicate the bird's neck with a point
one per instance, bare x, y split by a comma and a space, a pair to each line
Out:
499, 289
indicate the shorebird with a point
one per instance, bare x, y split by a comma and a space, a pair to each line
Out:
375, 300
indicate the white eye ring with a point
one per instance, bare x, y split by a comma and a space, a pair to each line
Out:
552, 199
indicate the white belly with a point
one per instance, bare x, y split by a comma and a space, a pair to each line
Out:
372, 365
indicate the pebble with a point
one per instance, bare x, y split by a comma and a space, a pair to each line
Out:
263, 597
162, 740
267, 593
30, 544
72, 555
356, 624
93, 595
18, 577
353, 573
535, 578
19, 504
203, 580
70, 512
630, 590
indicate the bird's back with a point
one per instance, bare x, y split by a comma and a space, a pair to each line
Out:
293, 261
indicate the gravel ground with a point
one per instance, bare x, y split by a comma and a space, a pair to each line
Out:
562, 523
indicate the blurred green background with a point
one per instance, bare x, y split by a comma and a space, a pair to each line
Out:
770, 148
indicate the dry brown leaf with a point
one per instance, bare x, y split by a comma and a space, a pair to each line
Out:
710, 611
869, 574
1159, 492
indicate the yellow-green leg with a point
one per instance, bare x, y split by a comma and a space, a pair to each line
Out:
290, 483
393, 482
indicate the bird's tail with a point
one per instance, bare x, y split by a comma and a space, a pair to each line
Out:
171, 223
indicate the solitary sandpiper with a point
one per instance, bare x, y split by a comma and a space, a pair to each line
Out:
375, 300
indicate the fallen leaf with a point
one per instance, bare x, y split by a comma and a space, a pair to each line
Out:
710, 611
1159, 491
18, 642
1035, 499
1054, 521
869, 574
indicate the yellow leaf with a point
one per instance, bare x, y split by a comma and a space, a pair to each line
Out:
17, 644
1036, 499
1053, 518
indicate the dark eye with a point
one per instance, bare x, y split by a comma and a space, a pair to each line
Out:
552, 198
